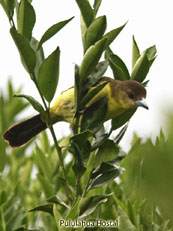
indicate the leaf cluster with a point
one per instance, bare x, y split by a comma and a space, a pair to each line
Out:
81, 186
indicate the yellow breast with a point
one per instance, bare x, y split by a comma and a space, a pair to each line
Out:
63, 107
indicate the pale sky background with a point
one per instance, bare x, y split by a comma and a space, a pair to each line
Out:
150, 21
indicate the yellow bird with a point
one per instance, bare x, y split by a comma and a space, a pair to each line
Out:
121, 95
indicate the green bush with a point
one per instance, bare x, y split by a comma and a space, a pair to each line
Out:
73, 179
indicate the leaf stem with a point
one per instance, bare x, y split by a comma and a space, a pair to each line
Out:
33, 77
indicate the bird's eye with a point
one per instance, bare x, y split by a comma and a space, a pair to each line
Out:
131, 96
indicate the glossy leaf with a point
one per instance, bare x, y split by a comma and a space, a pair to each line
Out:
100, 137
26, 52
121, 134
105, 178
8, 6
104, 167
110, 36
89, 205
81, 138
81, 148
48, 208
52, 31
96, 6
57, 200
120, 120
26, 19
106, 152
143, 64
96, 74
91, 59
86, 11
48, 75
151, 53
94, 116
77, 95
95, 31
39, 54
81, 154
36, 105
119, 68
141, 68
135, 52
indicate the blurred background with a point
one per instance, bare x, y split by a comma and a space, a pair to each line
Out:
149, 21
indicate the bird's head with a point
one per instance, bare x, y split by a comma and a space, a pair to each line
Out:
132, 94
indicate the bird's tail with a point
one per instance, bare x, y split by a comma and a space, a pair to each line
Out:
22, 132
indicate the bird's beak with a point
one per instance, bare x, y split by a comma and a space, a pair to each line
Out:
141, 103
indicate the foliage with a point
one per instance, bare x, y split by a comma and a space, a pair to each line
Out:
39, 188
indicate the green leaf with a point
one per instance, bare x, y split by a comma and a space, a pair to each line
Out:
46, 186
26, 52
131, 213
141, 68
47, 208
96, 6
143, 64
106, 152
52, 31
91, 59
2, 221
26, 19
119, 68
135, 52
3, 198
105, 178
103, 168
81, 150
74, 212
110, 36
57, 216
57, 200
43, 163
39, 54
48, 75
81, 138
16, 219
94, 116
124, 222
95, 31
77, 92
91, 94
67, 189
81, 156
96, 74
121, 134
100, 137
36, 105
8, 6
118, 121
151, 53
89, 205
86, 11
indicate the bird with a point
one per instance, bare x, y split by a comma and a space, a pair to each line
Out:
121, 96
